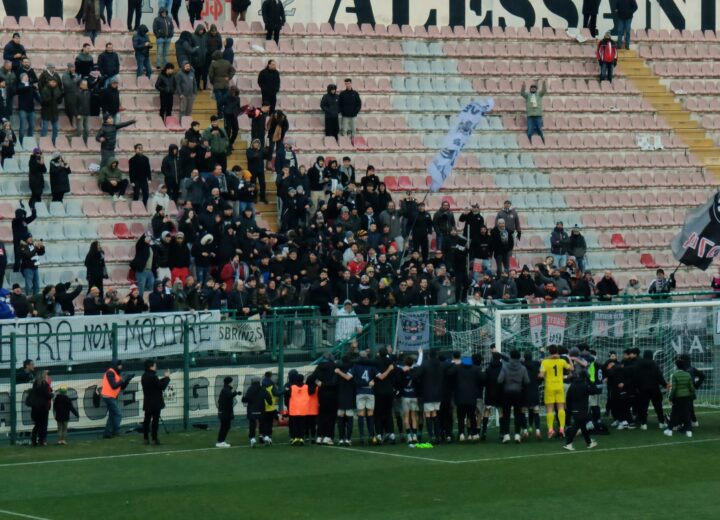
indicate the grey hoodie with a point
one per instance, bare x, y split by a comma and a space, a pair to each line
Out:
513, 376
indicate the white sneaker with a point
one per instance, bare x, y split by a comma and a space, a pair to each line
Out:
643, 426
476, 437
253, 442
668, 432
115, 198
506, 438
614, 424
461, 438
348, 442
267, 440
695, 424
622, 426
517, 438
318, 440
688, 434
328, 441
569, 447
662, 426
592, 445
121, 198
222, 445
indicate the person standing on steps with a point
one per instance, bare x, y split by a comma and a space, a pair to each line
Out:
164, 30
624, 11
269, 83
273, 13
186, 88
534, 109
112, 384
607, 57
153, 402
330, 105
220, 73
590, 12
165, 85
350, 106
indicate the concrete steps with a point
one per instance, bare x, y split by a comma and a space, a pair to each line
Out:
663, 101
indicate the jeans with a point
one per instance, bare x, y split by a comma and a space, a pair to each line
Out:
219, 94
44, 128
83, 127
581, 263
145, 281
503, 261
143, 63
32, 281
535, 126
242, 205
26, 119
202, 273
112, 426
164, 4
559, 260
347, 126
606, 71
162, 51
623, 30
106, 5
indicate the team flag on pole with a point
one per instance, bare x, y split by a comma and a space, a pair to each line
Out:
442, 165
699, 241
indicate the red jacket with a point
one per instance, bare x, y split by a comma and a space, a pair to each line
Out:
607, 51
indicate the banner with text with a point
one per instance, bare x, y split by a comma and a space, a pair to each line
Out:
204, 389
554, 333
608, 324
75, 340
413, 331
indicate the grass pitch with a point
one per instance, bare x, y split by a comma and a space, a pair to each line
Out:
632, 474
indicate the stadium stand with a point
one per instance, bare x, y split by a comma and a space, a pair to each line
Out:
622, 160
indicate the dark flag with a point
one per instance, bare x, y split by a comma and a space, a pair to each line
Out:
699, 241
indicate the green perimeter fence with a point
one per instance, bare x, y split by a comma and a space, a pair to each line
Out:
201, 349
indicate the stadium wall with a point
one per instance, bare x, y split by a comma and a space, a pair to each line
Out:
652, 14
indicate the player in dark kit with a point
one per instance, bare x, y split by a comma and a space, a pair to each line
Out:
363, 375
577, 402
345, 401
430, 377
532, 398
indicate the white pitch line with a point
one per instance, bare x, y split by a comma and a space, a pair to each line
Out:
601, 450
21, 515
120, 456
399, 455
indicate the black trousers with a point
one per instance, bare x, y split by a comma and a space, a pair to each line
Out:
445, 417
143, 187
260, 181
58, 197
681, 414
579, 422
175, 10
173, 188
134, 8
118, 189
332, 126
644, 398
151, 423
194, 10
231, 128
514, 402
2, 276
590, 22
96, 283
273, 33
270, 98
35, 196
221, 159
466, 412
297, 426
39, 415
328, 412
420, 243
383, 414
266, 423
166, 105
253, 422
225, 424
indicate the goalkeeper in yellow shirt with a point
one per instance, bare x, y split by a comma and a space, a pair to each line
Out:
552, 370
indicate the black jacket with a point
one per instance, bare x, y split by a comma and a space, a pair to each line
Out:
431, 378
59, 178
269, 81
153, 388
139, 166
109, 64
63, 407
273, 13
496, 243
254, 398
330, 104
578, 395
350, 103
110, 100
226, 402
590, 7
648, 376
36, 175
625, 9
468, 381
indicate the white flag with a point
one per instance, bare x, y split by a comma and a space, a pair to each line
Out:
442, 165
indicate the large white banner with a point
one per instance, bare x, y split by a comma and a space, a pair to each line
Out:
656, 14
442, 165
204, 389
75, 340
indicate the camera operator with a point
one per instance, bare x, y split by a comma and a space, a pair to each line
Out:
112, 384
153, 402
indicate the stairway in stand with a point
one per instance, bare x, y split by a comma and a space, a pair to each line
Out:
680, 120
203, 109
